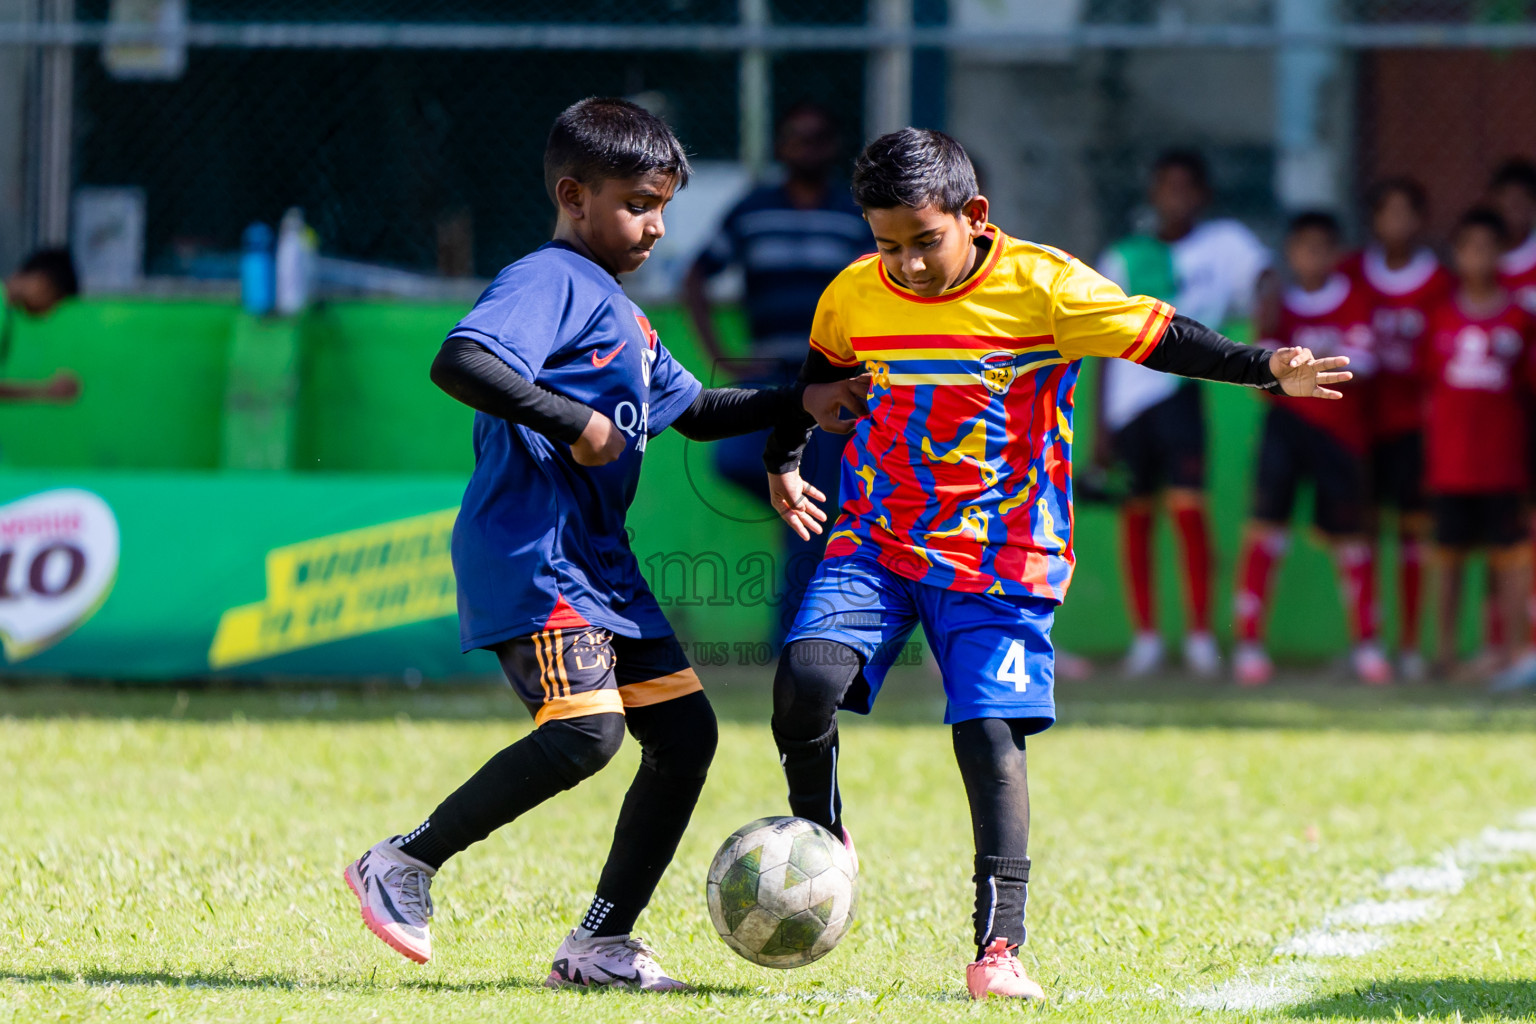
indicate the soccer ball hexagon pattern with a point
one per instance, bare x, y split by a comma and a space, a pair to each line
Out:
782, 891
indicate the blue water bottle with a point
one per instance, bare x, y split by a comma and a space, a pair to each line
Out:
258, 270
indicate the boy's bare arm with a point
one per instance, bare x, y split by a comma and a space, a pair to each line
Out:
63, 386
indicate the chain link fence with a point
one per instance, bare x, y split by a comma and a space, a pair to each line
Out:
412, 136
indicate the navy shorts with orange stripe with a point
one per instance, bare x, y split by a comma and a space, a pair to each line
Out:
584, 670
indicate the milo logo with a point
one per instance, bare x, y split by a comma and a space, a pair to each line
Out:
58, 561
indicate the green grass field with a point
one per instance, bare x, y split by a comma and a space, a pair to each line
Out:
176, 856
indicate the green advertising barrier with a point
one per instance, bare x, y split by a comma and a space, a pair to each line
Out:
173, 391
229, 574
265, 575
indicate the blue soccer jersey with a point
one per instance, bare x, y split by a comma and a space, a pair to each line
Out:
540, 540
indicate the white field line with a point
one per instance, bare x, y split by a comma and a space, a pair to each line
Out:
1358, 928
1265, 989
1382, 913
1444, 878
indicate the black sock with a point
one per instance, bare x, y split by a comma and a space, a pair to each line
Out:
990, 752
810, 768
651, 824
596, 916
677, 742
553, 758
1002, 888
812, 679
426, 844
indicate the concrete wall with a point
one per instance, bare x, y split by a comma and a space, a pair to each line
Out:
1064, 145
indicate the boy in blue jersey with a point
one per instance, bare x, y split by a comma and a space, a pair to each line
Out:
570, 382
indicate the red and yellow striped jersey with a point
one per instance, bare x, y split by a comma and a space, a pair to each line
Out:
961, 476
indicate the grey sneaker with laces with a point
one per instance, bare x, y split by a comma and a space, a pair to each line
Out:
619, 960
394, 891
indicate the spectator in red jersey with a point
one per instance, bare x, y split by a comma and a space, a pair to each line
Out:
1512, 193
1476, 364
1403, 280
1322, 310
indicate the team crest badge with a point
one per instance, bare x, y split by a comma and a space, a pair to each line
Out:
998, 371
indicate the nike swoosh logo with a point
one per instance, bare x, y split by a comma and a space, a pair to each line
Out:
600, 363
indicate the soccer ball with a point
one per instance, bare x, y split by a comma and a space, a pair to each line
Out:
782, 891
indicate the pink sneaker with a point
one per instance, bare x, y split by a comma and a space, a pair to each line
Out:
1251, 666
848, 845
999, 973
1371, 666
393, 890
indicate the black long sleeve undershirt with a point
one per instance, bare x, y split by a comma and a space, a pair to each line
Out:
729, 412
792, 433
1191, 349
1187, 348
472, 374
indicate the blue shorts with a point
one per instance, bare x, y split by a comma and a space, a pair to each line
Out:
994, 651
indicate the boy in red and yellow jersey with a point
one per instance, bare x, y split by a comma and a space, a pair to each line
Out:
957, 491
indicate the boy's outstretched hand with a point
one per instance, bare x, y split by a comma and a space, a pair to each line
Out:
827, 401
795, 502
1302, 375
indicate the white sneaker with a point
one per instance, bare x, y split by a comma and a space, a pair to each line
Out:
1371, 666
1411, 667
1251, 666
616, 960
394, 891
1519, 676
1073, 666
1145, 656
1201, 656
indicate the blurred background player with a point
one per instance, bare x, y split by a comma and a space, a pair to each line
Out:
1512, 194
1325, 443
1403, 280
44, 280
790, 240
1477, 365
1154, 422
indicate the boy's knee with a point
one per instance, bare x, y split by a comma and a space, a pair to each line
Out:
678, 738
812, 677
990, 749
580, 747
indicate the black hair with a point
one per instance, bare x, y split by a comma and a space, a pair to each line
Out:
914, 167
1409, 188
57, 266
1191, 161
1516, 171
602, 138
1483, 217
1315, 220
803, 108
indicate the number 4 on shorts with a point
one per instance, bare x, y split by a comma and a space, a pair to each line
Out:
1014, 668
